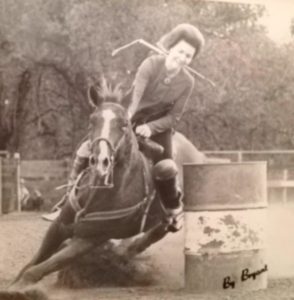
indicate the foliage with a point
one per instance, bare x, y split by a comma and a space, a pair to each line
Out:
50, 51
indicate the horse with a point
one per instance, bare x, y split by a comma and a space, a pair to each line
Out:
114, 198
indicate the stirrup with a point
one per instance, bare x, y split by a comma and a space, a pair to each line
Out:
174, 218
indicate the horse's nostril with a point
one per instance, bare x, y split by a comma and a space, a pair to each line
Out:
105, 163
92, 160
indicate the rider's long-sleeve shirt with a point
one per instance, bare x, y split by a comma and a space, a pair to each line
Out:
159, 101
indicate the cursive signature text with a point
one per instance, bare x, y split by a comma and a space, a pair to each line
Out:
228, 282
245, 275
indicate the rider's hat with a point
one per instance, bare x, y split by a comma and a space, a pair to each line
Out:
187, 32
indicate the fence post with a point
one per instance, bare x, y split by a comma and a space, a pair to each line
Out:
1, 186
17, 179
285, 191
240, 156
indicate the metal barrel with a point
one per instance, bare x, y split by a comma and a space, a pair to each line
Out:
225, 226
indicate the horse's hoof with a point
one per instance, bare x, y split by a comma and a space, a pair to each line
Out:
24, 281
19, 285
20, 292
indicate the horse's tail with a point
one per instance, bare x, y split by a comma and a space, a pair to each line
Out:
27, 294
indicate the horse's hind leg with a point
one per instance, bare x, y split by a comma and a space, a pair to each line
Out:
139, 243
76, 247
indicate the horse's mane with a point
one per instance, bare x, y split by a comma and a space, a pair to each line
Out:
110, 92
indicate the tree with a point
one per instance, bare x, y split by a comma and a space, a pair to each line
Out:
57, 49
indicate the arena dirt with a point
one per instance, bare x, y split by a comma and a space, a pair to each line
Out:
157, 274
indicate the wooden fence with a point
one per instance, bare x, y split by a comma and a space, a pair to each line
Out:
46, 175
280, 169
41, 175
4, 154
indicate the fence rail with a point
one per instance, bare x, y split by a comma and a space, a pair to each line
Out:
45, 169
46, 175
4, 153
280, 167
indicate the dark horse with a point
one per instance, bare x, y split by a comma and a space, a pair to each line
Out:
111, 197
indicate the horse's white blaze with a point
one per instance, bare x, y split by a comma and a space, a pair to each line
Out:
108, 115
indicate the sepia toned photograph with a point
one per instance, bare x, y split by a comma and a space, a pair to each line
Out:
146, 149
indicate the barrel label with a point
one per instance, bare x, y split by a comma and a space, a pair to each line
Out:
225, 231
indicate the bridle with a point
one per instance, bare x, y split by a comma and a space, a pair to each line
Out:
108, 180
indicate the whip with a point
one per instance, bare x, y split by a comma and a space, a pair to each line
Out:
160, 51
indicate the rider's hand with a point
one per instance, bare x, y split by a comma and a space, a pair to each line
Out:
143, 130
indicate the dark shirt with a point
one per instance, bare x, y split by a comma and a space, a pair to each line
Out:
161, 101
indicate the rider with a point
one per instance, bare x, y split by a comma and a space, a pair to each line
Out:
160, 92
161, 89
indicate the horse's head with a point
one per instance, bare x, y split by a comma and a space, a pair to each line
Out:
110, 131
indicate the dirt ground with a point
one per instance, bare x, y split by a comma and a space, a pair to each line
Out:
20, 235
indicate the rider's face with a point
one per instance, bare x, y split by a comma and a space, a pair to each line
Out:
180, 55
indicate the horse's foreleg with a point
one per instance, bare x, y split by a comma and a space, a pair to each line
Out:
54, 236
139, 243
76, 247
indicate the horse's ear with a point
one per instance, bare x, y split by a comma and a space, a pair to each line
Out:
127, 99
94, 97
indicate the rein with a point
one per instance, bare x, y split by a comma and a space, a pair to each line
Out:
82, 216
81, 212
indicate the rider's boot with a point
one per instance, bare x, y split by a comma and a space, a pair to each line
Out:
165, 178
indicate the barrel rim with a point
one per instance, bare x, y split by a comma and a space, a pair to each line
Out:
229, 207
259, 162
194, 253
